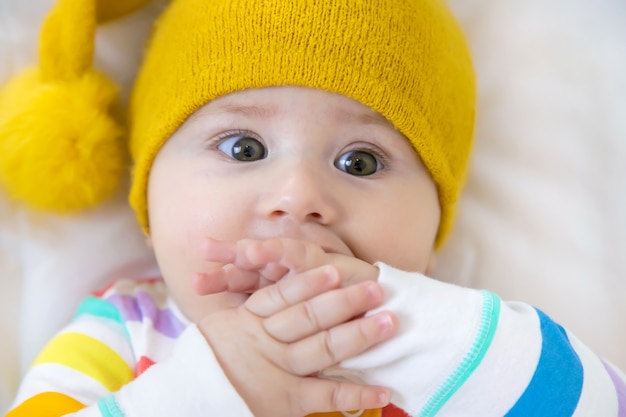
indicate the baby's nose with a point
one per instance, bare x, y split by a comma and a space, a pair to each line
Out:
302, 193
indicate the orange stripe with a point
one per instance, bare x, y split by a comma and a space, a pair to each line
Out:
46, 404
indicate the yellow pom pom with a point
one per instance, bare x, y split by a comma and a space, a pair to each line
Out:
60, 151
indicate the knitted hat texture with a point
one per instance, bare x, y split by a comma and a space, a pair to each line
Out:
406, 59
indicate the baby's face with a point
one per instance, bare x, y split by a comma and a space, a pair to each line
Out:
288, 162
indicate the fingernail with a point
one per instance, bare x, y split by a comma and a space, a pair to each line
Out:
383, 398
331, 274
373, 290
384, 322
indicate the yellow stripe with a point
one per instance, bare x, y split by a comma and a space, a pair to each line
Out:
88, 356
46, 404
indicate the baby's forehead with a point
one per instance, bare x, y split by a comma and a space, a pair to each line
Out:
266, 102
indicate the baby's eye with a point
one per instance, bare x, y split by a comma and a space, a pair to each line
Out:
358, 163
243, 148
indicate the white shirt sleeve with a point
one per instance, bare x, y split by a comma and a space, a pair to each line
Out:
462, 351
190, 383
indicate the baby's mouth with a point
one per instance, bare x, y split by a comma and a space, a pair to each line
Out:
327, 240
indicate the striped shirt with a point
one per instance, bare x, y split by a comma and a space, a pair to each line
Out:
458, 352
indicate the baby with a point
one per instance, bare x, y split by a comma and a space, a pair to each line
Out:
296, 166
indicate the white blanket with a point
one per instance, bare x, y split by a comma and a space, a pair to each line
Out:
542, 218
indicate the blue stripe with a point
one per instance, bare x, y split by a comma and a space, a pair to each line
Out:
555, 388
108, 407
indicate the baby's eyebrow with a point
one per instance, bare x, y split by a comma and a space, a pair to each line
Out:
252, 111
368, 118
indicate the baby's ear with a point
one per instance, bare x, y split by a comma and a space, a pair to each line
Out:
61, 149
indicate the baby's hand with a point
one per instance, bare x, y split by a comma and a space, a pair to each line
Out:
272, 347
248, 265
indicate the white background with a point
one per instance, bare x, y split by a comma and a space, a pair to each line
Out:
542, 219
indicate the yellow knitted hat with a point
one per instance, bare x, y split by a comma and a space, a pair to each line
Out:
406, 59
60, 148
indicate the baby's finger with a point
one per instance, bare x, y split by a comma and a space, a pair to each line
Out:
339, 343
242, 254
323, 311
325, 396
296, 256
226, 278
285, 293
292, 254
250, 255
218, 251
254, 254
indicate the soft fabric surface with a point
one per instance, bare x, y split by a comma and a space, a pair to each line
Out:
541, 219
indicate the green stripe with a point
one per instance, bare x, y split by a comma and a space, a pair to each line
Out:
476, 353
98, 307
108, 407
